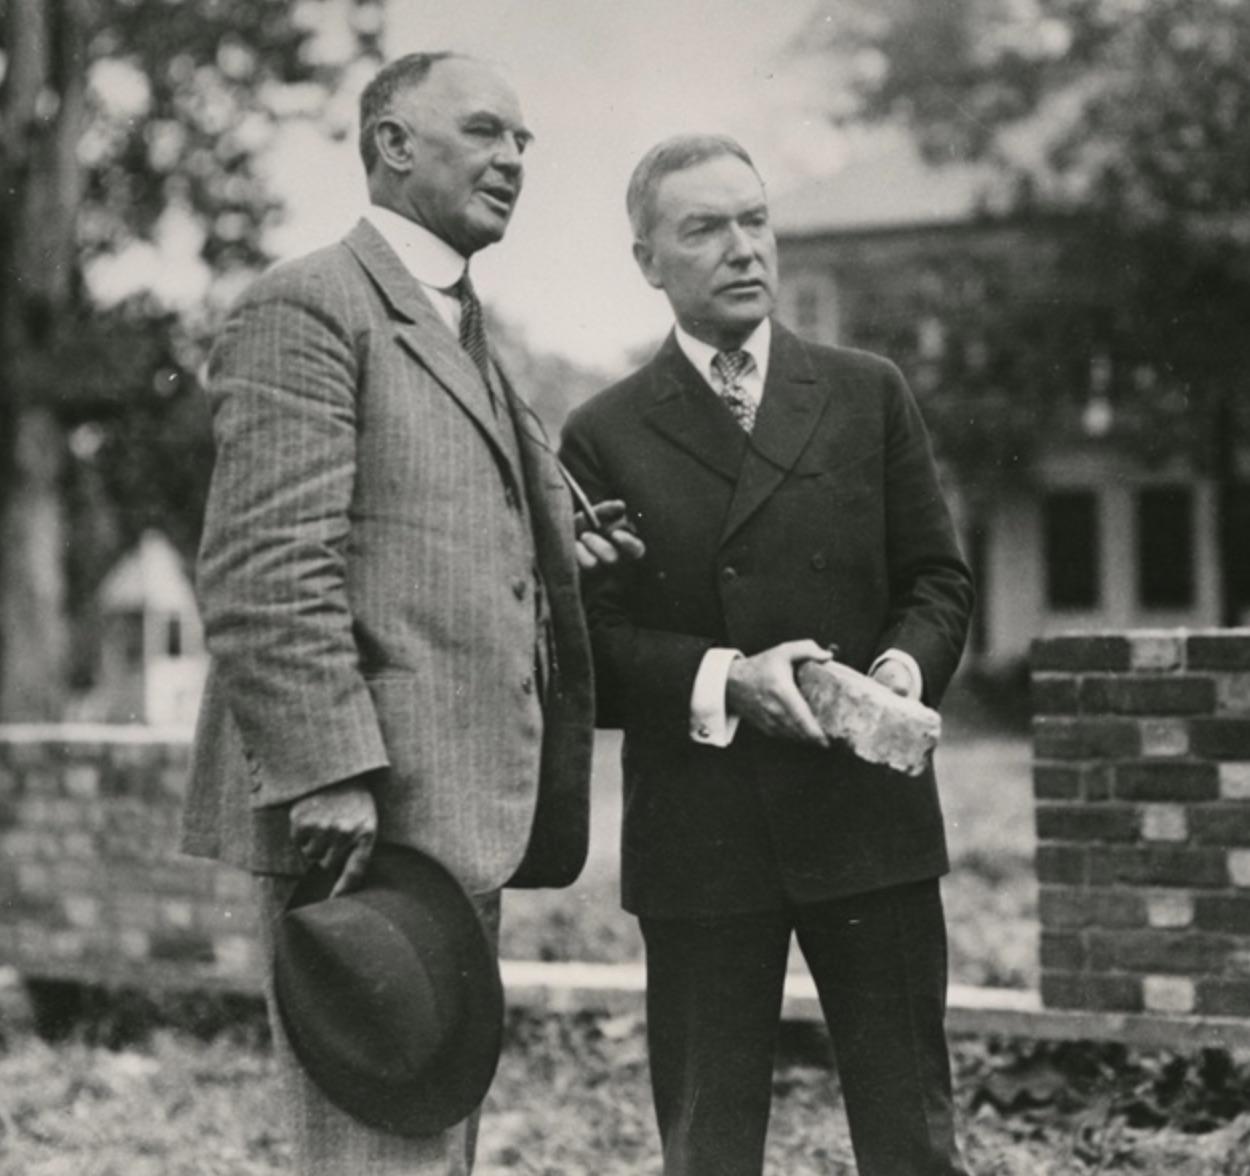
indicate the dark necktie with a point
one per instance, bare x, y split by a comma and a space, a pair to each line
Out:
729, 368
473, 330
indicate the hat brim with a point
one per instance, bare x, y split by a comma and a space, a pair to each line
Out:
455, 1081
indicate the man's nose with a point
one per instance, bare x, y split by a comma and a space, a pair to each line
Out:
740, 247
507, 156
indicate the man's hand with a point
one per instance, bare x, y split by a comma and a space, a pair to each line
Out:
608, 539
895, 675
762, 690
337, 826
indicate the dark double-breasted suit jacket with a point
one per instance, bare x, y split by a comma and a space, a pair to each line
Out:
374, 538
827, 523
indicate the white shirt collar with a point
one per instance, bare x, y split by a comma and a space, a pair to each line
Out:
428, 258
758, 344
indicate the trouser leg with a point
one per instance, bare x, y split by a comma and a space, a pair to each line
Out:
714, 990
328, 1141
879, 963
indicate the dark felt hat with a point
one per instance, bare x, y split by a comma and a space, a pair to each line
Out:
390, 995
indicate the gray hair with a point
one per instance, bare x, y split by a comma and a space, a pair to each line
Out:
673, 155
378, 98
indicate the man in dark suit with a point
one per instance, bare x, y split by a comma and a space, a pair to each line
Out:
388, 572
788, 500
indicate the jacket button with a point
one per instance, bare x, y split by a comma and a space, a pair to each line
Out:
729, 574
527, 684
819, 562
519, 589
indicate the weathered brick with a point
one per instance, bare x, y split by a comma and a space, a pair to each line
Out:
1233, 694
1219, 997
1238, 863
82, 781
1158, 651
1221, 738
1155, 780
1169, 994
1098, 993
1164, 822
82, 910
1225, 650
1063, 906
1174, 909
1229, 913
1062, 952
1078, 652
237, 954
1220, 824
1053, 694
1058, 781
1083, 822
1159, 865
1085, 738
1164, 737
176, 943
1235, 781
1061, 864
1181, 694
1152, 950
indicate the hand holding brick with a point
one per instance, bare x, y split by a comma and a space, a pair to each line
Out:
878, 725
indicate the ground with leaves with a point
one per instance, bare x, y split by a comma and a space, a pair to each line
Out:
571, 1098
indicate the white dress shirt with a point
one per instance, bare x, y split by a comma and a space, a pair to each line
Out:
710, 721
434, 263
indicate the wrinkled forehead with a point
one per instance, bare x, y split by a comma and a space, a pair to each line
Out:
459, 86
722, 186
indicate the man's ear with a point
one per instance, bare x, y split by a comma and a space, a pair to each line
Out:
645, 258
394, 145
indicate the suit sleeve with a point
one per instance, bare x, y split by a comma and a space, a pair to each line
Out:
642, 675
272, 584
931, 594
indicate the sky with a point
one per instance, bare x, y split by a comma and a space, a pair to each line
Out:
600, 81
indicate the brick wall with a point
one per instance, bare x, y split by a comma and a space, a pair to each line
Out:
1142, 781
91, 887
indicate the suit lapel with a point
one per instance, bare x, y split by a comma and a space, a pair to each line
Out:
686, 411
425, 335
792, 405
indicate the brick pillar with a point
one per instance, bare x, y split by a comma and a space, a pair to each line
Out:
1141, 779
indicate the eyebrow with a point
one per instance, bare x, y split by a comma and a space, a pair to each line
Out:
521, 131
713, 215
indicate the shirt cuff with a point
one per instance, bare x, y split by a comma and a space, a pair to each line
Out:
710, 722
912, 666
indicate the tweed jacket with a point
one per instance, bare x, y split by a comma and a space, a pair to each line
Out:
827, 523
373, 539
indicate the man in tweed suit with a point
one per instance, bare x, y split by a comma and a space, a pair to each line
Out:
788, 500
388, 572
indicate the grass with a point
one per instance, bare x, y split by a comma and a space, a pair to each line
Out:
990, 894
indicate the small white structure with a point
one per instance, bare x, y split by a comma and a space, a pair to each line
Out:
152, 658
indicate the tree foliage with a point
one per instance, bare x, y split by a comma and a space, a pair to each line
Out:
119, 120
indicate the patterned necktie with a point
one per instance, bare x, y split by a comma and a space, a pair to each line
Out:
473, 330
730, 367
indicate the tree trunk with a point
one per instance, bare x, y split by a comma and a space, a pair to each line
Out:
42, 105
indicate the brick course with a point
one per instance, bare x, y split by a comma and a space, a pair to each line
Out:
1142, 782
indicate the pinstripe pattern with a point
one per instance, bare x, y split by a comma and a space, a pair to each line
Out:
367, 576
